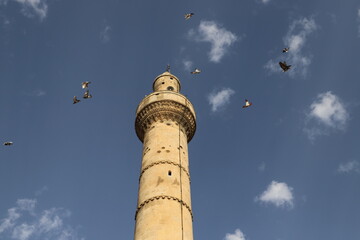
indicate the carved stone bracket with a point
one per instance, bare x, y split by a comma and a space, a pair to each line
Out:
163, 197
165, 110
164, 162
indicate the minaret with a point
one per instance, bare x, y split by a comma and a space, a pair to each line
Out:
165, 123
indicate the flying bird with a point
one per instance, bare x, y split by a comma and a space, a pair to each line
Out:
75, 100
284, 66
196, 71
8, 143
85, 84
285, 50
87, 94
188, 15
247, 104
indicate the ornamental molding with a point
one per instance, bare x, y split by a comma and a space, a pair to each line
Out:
163, 197
164, 162
165, 110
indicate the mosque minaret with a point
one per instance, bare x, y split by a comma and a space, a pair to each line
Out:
165, 123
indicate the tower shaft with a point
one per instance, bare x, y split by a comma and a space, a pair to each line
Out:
165, 123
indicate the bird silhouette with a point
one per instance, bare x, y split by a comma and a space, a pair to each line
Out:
188, 15
75, 100
196, 71
87, 95
247, 104
85, 84
284, 66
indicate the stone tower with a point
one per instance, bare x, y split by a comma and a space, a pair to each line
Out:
165, 123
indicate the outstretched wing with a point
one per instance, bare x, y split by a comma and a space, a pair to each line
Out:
282, 65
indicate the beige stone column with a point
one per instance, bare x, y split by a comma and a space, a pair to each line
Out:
165, 123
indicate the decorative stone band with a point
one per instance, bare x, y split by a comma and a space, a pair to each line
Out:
164, 197
165, 110
164, 162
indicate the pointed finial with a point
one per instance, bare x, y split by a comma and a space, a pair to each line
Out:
168, 68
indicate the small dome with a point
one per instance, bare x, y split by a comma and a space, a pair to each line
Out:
166, 82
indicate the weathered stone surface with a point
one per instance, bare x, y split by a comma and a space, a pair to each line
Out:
165, 123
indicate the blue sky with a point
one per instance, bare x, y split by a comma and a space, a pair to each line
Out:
286, 168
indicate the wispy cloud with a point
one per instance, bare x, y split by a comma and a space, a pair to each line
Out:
218, 100
238, 235
23, 222
262, 167
265, 1
26, 205
4, 20
37, 93
277, 193
295, 39
105, 34
351, 166
41, 191
329, 112
188, 65
31, 8
219, 38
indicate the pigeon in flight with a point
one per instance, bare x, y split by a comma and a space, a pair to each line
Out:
247, 104
285, 50
284, 66
8, 143
87, 94
85, 84
75, 100
188, 15
196, 71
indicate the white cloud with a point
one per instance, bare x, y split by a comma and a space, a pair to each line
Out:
219, 99
277, 193
351, 166
325, 114
105, 34
265, 1
50, 220
295, 39
9, 221
23, 231
26, 204
238, 235
48, 224
329, 110
219, 38
34, 7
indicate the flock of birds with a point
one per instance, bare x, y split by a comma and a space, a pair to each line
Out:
283, 65
85, 85
87, 95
